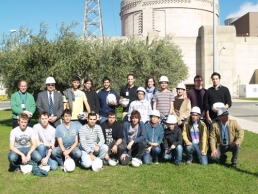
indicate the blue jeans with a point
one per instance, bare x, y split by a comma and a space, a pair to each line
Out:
43, 151
194, 147
175, 153
154, 153
103, 119
57, 155
15, 159
86, 161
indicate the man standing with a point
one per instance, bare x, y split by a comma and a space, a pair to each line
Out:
92, 142
45, 140
182, 105
226, 136
92, 96
75, 99
51, 101
215, 94
196, 95
113, 135
129, 92
21, 151
163, 100
22, 102
103, 95
67, 138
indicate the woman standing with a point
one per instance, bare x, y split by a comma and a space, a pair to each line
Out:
150, 89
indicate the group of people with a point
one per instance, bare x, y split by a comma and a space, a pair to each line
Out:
155, 124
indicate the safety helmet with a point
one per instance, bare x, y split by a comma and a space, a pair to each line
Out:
97, 165
141, 89
222, 111
50, 80
112, 162
217, 105
111, 98
26, 169
196, 109
171, 119
163, 79
69, 165
136, 162
82, 115
180, 86
155, 113
46, 167
124, 101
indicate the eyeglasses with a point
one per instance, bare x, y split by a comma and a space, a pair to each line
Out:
195, 115
50, 84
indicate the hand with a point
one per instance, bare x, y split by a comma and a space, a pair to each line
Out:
96, 149
66, 153
148, 149
154, 144
124, 106
189, 143
92, 156
27, 113
173, 147
129, 146
114, 149
208, 119
204, 154
214, 153
233, 144
123, 156
106, 157
28, 157
52, 119
44, 161
166, 151
113, 103
24, 160
216, 109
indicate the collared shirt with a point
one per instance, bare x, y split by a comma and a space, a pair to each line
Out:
195, 134
217, 87
52, 96
224, 133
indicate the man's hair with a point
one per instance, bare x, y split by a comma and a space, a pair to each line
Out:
92, 114
112, 113
67, 111
105, 79
196, 77
76, 78
146, 81
130, 74
135, 114
23, 116
88, 80
43, 113
22, 80
215, 73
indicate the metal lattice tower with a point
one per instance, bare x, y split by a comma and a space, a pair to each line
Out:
92, 19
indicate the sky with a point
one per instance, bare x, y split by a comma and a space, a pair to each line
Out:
30, 13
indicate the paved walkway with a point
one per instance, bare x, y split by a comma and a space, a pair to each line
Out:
245, 124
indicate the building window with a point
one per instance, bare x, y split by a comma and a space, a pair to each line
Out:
254, 89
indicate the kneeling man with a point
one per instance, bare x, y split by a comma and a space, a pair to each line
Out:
226, 136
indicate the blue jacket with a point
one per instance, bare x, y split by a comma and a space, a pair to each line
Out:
154, 135
141, 136
104, 108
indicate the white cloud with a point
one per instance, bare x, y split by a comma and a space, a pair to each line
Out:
244, 8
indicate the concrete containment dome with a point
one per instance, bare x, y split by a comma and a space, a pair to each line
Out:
181, 18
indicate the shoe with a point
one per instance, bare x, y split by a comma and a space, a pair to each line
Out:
156, 162
178, 164
61, 167
189, 162
17, 170
233, 165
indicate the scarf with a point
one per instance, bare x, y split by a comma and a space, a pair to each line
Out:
149, 93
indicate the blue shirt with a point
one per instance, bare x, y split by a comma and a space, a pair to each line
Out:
224, 134
67, 135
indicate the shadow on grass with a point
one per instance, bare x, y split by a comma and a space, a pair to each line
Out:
7, 122
240, 170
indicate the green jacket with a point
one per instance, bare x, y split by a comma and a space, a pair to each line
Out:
16, 102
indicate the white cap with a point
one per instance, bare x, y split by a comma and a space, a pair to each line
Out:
163, 79
155, 113
69, 165
136, 162
97, 164
171, 119
141, 89
50, 80
196, 109
222, 111
180, 86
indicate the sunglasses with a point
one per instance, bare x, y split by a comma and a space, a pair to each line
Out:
50, 84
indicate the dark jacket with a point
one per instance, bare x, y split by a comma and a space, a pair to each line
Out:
117, 132
93, 100
141, 136
172, 137
104, 107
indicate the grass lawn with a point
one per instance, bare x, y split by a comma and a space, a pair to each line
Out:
161, 178
253, 99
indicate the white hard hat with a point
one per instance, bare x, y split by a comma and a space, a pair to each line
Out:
46, 168
196, 109
111, 98
82, 115
141, 89
97, 165
125, 101
26, 169
155, 113
217, 105
180, 86
69, 165
136, 162
112, 162
163, 79
171, 119
50, 80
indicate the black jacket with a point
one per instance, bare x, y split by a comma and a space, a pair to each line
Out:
172, 137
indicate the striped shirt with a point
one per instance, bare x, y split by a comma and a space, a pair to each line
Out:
163, 100
195, 134
90, 137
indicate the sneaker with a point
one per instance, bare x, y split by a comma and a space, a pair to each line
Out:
233, 165
189, 162
156, 162
61, 167
17, 170
178, 164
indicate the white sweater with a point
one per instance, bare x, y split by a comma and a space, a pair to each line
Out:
143, 107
